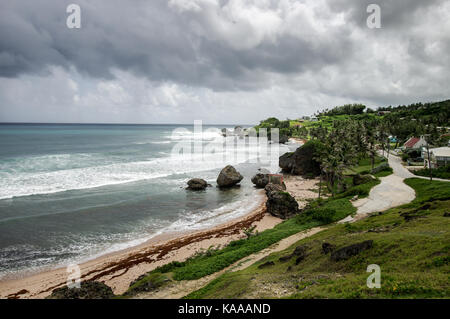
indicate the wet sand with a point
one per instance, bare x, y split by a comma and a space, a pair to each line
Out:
119, 269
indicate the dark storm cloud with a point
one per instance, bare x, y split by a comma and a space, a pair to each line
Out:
199, 59
112, 35
152, 40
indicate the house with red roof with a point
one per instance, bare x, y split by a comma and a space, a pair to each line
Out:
415, 143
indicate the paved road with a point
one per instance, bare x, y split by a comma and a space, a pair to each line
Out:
389, 193
396, 163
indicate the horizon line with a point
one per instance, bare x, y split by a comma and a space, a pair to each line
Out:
97, 123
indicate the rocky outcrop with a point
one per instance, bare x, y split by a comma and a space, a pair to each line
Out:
283, 139
266, 264
274, 187
260, 180
299, 252
224, 132
280, 203
352, 250
327, 248
228, 177
87, 290
301, 162
197, 184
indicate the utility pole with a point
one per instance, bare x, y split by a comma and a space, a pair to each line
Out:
389, 147
320, 183
429, 158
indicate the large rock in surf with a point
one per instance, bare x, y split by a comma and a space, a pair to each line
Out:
279, 202
197, 184
301, 162
260, 180
228, 177
283, 139
87, 290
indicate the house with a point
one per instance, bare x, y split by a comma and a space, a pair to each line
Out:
381, 113
439, 157
314, 119
415, 143
392, 139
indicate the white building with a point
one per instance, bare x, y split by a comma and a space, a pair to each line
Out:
439, 156
415, 143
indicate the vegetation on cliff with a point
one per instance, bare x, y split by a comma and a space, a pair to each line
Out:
410, 243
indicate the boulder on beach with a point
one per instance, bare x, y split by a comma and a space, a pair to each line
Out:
197, 184
87, 290
302, 161
228, 177
279, 202
260, 180
274, 187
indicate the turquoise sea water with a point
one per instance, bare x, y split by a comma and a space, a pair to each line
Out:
69, 193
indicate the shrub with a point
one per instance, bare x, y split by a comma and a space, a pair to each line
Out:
324, 215
441, 172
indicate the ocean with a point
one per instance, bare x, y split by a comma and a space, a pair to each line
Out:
71, 192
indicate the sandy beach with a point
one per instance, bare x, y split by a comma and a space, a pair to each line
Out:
119, 269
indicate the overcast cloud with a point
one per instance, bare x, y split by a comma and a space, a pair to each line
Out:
219, 61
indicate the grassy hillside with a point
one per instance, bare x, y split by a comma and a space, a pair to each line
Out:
411, 244
320, 213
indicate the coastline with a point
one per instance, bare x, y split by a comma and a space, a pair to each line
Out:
119, 269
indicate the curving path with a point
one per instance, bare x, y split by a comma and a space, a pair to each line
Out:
391, 192
396, 163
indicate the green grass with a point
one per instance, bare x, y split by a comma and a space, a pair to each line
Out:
320, 212
361, 190
413, 255
205, 265
293, 123
365, 165
154, 280
386, 172
441, 172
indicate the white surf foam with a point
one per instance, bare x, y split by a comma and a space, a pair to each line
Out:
24, 181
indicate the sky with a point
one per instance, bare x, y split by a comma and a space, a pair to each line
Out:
219, 61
